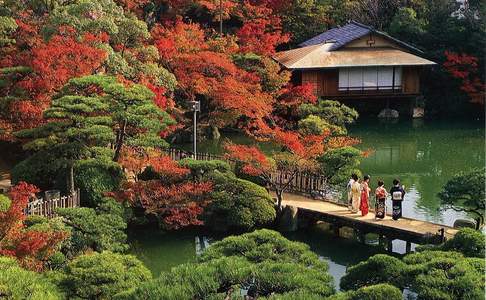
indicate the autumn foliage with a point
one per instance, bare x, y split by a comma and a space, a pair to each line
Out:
465, 68
50, 65
32, 248
171, 196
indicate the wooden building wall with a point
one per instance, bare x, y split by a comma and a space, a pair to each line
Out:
325, 82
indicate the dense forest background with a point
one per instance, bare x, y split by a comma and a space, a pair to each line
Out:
44, 43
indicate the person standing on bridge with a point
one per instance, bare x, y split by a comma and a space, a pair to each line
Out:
365, 195
355, 194
397, 193
350, 193
380, 196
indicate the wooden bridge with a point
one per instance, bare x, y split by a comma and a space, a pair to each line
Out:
338, 216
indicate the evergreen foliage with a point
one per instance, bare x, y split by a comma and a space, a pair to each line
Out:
465, 192
262, 262
97, 229
237, 204
103, 275
18, 283
431, 274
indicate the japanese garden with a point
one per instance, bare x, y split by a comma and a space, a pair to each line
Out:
242, 149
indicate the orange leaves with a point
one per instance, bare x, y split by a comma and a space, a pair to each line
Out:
168, 168
180, 38
255, 163
261, 36
342, 141
52, 64
304, 146
64, 57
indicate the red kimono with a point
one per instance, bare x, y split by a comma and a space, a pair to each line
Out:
365, 192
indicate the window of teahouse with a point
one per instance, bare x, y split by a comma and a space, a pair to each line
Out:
370, 78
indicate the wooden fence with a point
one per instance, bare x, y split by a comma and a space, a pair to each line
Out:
46, 207
302, 183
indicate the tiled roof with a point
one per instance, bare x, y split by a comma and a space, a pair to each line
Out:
339, 35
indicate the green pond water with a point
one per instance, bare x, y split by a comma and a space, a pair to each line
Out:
422, 154
161, 251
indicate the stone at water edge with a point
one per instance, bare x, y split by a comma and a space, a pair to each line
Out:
289, 221
418, 112
388, 113
462, 223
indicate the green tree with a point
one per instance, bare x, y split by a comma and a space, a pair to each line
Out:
98, 229
262, 262
445, 275
377, 269
431, 274
7, 28
406, 25
338, 164
465, 192
238, 204
103, 275
467, 241
76, 128
381, 291
17, 283
93, 117
334, 114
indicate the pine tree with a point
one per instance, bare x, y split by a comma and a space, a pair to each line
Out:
93, 117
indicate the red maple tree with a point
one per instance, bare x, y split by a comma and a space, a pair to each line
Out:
173, 197
465, 68
51, 64
31, 247
279, 169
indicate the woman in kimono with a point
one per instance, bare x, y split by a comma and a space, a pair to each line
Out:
380, 196
397, 193
355, 194
365, 194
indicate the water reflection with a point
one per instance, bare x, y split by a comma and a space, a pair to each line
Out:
424, 155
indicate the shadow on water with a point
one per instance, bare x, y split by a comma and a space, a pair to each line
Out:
161, 251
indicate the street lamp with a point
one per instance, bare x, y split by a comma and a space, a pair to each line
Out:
196, 106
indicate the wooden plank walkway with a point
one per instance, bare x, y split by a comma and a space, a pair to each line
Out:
406, 229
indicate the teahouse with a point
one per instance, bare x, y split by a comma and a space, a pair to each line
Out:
356, 62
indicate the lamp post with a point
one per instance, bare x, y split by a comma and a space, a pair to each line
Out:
196, 106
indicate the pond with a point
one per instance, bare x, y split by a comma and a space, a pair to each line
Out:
161, 251
423, 154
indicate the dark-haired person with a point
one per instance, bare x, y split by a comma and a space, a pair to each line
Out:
352, 180
355, 194
397, 193
380, 197
365, 195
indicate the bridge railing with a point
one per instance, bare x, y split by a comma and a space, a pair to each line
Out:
46, 206
302, 183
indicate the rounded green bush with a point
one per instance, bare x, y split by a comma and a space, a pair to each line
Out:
103, 275
17, 283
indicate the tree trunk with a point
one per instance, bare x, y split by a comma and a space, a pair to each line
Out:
71, 178
279, 194
119, 141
